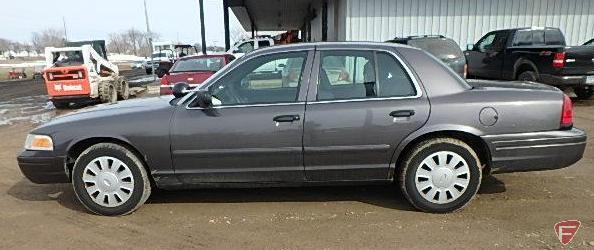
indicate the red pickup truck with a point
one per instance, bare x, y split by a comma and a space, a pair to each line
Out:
193, 70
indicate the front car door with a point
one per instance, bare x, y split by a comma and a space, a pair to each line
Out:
361, 106
255, 134
485, 60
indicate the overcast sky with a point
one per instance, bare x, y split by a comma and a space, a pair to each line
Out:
95, 19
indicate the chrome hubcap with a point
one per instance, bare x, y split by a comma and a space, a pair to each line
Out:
108, 181
442, 177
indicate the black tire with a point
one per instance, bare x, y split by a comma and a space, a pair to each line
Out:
141, 183
148, 71
124, 91
528, 76
583, 93
108, 93
412, 163
61, 104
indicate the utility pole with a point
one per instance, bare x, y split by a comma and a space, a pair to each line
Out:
150, 41
65, 30
202, 29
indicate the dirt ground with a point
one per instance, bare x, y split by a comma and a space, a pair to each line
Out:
515, 210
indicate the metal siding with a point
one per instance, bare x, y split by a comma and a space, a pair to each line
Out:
465, 21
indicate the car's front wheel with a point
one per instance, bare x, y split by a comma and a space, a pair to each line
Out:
440, 175
109, 179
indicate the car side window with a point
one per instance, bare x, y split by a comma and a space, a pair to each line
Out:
262, 80
554, 37
246, 47
538, 37
486, 42
263, 43
393, 80
522, 38
347, 75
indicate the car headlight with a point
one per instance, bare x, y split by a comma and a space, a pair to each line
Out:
39, 142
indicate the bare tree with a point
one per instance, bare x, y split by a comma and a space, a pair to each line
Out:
47, 38
131, 41
4, 45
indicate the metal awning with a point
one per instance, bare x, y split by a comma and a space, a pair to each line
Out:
271, 15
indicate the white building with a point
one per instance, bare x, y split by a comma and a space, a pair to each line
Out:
465, 21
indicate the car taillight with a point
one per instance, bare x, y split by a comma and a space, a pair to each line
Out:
559, 60
566, 113
465, 70
164, 80
80, 74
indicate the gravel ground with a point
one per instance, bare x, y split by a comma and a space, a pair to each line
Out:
515, 210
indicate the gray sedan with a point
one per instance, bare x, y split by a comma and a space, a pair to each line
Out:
311, 114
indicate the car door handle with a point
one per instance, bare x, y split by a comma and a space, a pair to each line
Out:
402, 113
286, 118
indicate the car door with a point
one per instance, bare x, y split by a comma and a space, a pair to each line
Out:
485, 60
361, 106
255, 134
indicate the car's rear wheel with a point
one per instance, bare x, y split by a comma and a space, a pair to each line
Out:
109, 179
440, 175
530, 76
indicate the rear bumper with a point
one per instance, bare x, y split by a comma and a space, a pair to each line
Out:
535, 151
568, 81
42, 167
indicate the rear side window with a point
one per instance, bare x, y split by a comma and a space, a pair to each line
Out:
392, 78
554, 37
262, 44
440, 48
538, 37
522, 38
355, 75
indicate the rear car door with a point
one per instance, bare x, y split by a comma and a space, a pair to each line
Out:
361, 105
255, 135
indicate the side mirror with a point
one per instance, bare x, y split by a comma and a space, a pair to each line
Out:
203, 99
180, 89
469, 46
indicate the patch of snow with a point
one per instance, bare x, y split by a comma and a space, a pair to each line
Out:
23, 64
124, 58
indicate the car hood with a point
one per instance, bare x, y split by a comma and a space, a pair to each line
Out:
189, 77
120, 108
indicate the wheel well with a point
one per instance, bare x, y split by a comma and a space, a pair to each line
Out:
77, 149
524, 67
475, 142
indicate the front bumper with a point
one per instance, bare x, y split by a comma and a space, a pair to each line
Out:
569, 81
43, 167
535, 151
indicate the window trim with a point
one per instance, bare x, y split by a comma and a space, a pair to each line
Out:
409, 72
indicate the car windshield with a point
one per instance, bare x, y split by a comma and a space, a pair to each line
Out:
199, 64
440, 48
68, 58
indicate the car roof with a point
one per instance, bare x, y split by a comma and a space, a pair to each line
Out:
324, 45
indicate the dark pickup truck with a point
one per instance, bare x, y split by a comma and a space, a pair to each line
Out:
533, 54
